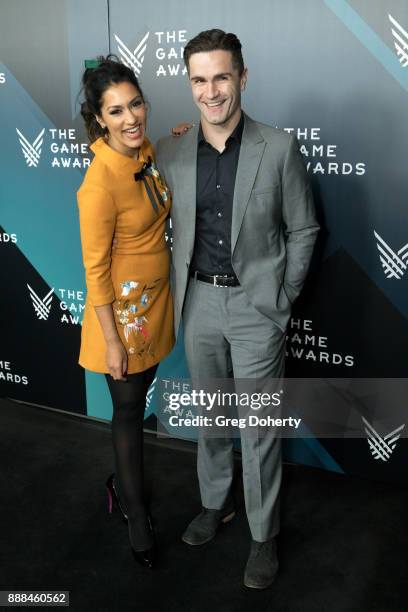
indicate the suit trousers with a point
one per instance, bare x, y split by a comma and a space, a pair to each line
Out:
225, 336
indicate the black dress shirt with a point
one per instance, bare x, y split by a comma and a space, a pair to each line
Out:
216, 174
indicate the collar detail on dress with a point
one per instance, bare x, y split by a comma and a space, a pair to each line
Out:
118, 161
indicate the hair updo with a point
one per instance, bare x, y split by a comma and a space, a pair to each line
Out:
95, 81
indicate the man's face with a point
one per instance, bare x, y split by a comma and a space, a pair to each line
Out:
216, 85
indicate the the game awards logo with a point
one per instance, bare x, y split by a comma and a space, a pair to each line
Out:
394, 263
31, 151
42, 306
62, 149
381, 446
70, 304
400, 41
133, 59
167, 51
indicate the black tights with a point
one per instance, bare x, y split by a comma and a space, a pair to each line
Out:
129, 400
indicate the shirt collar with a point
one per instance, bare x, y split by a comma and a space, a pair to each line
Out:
236, 134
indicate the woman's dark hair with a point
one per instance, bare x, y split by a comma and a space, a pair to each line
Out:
215, 40
95, 81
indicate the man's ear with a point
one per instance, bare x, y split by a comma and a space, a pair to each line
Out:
243, 80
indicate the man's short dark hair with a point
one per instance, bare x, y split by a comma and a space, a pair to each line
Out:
215, 40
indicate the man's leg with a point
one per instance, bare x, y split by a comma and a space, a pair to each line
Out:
208, 357
258, 352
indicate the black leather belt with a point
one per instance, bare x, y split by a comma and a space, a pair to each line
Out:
216, 280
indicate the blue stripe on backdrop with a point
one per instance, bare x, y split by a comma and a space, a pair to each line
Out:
369, 39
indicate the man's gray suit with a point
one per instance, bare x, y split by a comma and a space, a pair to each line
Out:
272, 236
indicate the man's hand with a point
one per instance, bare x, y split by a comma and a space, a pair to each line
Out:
181, 129
116, 359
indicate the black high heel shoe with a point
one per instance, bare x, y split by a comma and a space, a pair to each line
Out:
113, 496
147, 558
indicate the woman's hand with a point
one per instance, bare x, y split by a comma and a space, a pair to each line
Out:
181, 128
116, 359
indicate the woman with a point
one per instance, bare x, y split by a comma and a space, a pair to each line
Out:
128, 320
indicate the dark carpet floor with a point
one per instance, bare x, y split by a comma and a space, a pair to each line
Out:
343, 543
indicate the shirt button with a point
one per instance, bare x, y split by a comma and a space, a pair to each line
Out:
218, 186
219, 215
220, 242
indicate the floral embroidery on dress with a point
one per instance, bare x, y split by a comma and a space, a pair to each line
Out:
136, 326
134, 322
127, 287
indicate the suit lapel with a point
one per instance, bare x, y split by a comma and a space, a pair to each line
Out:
250, 155
187, 186
188, 166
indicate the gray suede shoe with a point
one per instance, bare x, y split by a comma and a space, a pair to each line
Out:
204, 526
262, 565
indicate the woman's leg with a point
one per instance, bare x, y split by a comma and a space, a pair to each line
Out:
129, 400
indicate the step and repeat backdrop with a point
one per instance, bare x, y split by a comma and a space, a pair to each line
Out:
333, 72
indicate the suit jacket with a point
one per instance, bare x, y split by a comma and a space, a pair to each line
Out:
273, 220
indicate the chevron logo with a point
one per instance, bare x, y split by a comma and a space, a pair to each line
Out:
381, 447
394, 264
400, 41
42, 306
150, 393
133, 59
32, 151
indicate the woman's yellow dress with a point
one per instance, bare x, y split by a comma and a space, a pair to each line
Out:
123, 205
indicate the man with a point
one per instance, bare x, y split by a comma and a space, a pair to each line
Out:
243, 234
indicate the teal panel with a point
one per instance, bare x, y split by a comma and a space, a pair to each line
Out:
309, 451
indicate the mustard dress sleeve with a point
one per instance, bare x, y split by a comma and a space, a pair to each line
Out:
97, 218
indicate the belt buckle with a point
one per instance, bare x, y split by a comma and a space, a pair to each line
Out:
219, 276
